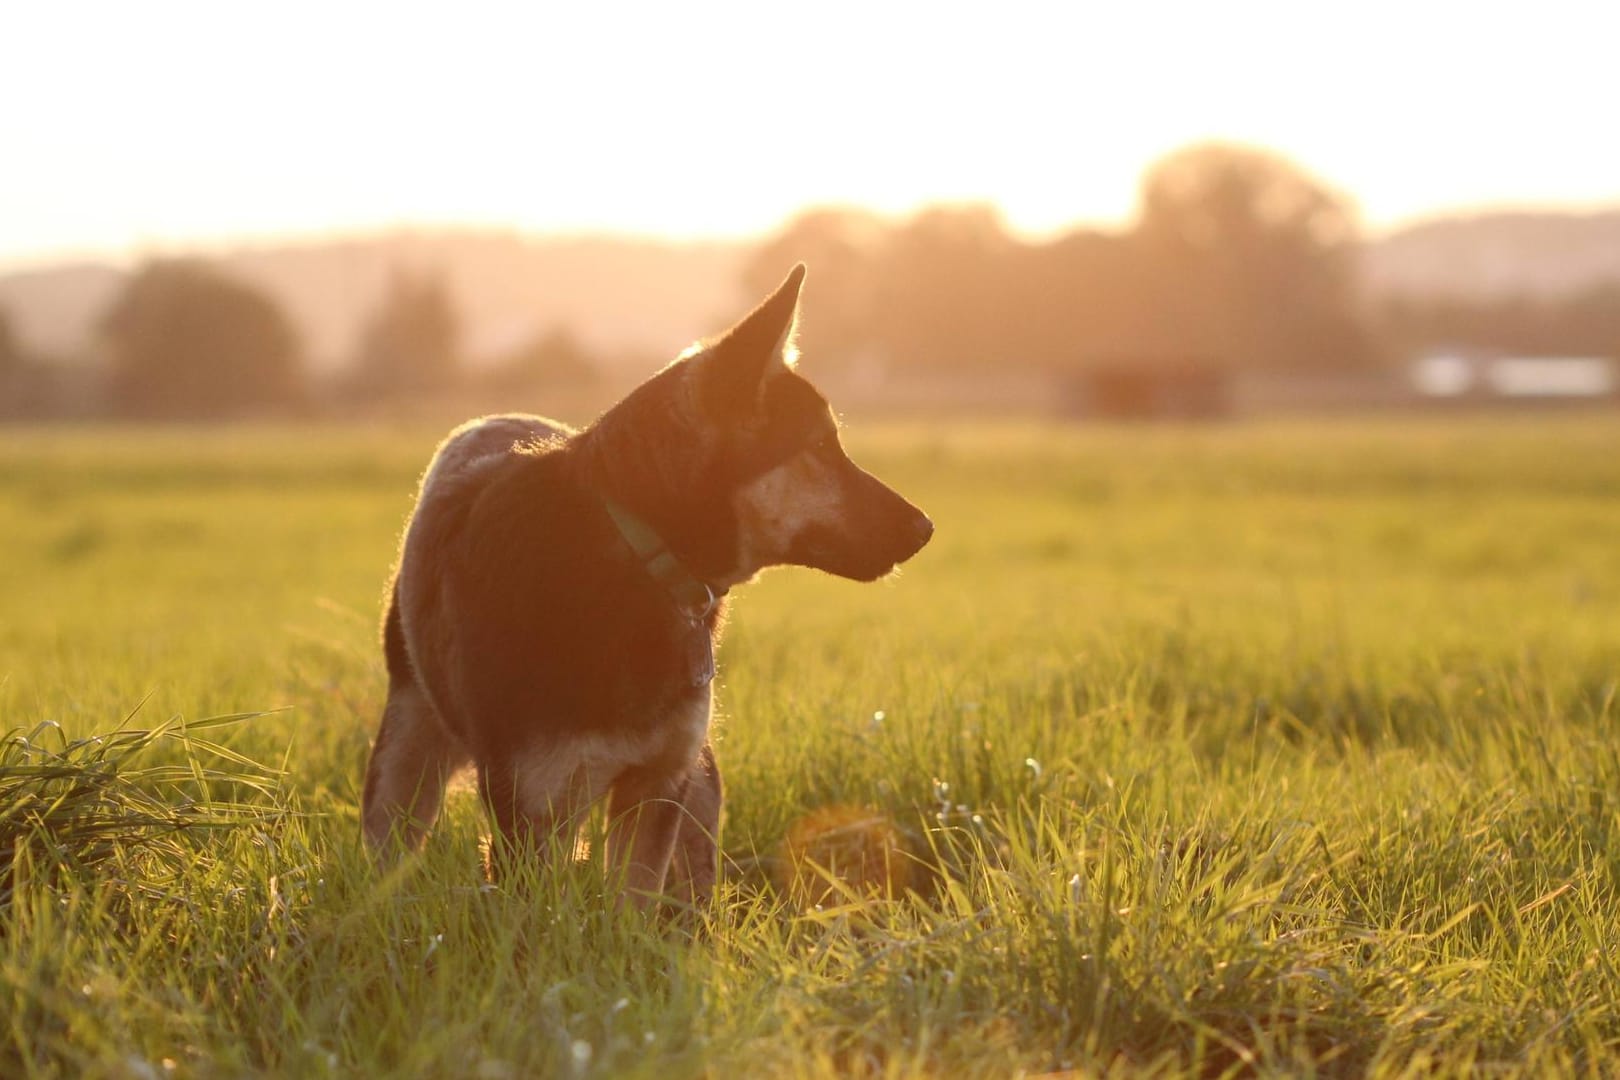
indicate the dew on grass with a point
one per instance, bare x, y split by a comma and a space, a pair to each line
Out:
328, 1057
580, 1053
139, 1067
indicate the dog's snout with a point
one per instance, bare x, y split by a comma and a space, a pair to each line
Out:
922, 530
912, 533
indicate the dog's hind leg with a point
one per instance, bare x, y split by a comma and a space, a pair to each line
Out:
694, 865
411, 761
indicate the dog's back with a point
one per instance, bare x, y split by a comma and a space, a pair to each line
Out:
481, 443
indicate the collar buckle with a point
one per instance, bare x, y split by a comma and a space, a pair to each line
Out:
696, 610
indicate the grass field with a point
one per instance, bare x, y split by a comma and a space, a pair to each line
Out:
1254, 749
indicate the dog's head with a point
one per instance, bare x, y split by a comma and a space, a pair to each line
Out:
795, 496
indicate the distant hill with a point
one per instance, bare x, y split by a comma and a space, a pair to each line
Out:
621, 297
641, 300
1539, 254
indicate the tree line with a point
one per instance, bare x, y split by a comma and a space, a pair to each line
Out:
1236, 260
185, 340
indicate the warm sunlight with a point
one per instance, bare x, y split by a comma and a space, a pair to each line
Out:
144, 127
1166, 623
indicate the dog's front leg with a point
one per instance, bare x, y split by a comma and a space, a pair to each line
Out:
411, 761
644, 815
697, 850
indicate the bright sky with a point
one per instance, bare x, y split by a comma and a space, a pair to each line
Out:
152, 125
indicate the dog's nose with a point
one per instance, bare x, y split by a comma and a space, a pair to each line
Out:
922, 529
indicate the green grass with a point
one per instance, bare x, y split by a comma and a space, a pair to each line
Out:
1258, 749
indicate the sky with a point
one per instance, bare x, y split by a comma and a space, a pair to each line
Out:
136, 128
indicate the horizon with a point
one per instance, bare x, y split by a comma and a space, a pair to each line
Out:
223, 130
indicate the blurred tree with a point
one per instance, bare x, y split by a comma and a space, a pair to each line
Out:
929, 292
1584, 323
843, 249
11, 358
553, 357
1074, 300
186, 341
943, 290
1591, 318
13, 373
1237, 259
1251, 262
411, 344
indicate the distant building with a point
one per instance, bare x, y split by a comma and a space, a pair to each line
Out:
1464, 376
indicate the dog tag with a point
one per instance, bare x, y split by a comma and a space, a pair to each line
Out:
701, 655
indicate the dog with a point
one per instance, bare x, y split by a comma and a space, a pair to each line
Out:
559, 594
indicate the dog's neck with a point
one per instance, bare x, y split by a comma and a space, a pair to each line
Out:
644, 456
693, 597
696, 600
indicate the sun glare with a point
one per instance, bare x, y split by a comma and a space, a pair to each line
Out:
180, 122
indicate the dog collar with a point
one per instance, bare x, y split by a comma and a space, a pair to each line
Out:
694, 598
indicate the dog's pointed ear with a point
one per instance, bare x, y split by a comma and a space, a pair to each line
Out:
738, 363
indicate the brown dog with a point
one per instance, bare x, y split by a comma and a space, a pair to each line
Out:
559, 595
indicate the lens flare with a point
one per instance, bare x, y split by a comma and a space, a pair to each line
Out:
838, 854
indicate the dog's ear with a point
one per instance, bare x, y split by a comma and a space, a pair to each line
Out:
736, 365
